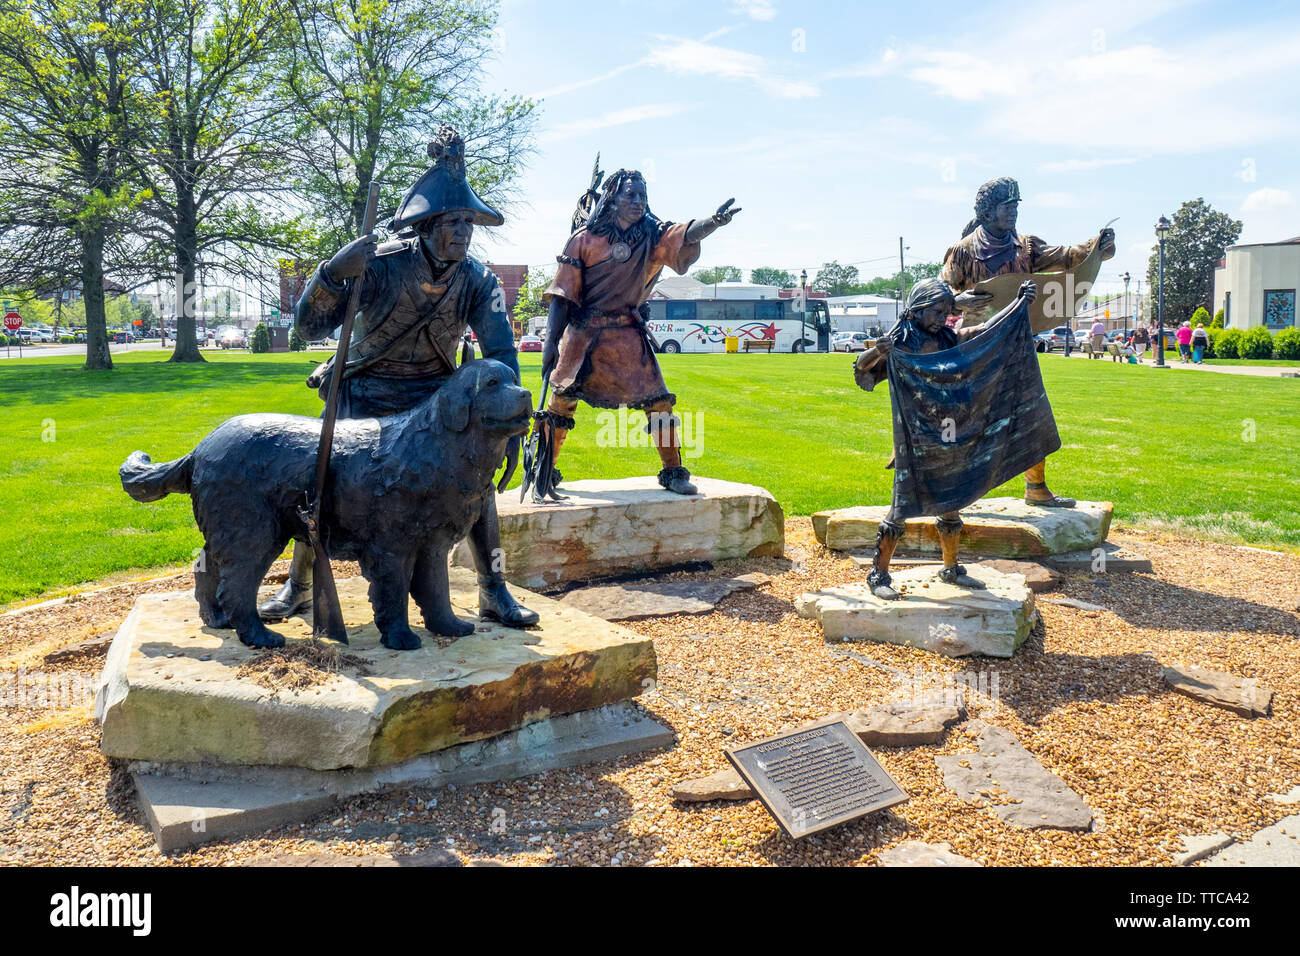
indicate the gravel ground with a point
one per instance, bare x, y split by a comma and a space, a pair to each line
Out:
1084, 695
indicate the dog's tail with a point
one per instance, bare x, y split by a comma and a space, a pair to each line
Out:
145, 481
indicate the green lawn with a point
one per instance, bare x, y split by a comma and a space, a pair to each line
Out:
1163, 448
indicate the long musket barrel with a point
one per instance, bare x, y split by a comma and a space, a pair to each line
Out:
327, 615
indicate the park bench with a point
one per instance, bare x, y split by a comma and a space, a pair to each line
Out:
759, 345
1112, 348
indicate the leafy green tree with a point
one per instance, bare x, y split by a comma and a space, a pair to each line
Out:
766, 275
1198, 238
529, 303
261, 341
835, 279
1201, 315
717, 274
880, 285
923, 270
296, 341
66, 95
1218, 320
367, 82
213, 157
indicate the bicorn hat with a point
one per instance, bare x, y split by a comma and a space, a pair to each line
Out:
443, 188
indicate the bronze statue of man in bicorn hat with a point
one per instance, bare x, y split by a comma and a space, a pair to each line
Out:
419, 292
597, 347
990, 246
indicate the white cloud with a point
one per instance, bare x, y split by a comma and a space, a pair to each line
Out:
1048, 80
693, 58
966, 76
1076, 165
632, 114
589, 81
1267, 199
755, 9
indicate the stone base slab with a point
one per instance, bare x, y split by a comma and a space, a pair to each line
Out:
171, 688
189, 804
1102, 559
631, 526
995, 527
944, 618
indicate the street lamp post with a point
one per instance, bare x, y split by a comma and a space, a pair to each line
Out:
1162, 232
1127, 317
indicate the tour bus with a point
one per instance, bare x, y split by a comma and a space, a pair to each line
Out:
704, 325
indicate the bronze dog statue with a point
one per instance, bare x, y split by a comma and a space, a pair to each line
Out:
402, 490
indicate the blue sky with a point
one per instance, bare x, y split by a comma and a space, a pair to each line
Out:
841, 126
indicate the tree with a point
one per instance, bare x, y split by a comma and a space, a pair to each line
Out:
1198, 238
368, 82
529, 303
1218, 320
66, 69
296, 341
261, 339
835, 279
717, 274
213, 156
766, 275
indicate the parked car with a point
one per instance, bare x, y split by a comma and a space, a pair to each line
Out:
851, 342
530, 343
232, 338
1055, 339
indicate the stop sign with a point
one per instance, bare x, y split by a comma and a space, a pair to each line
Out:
13, 321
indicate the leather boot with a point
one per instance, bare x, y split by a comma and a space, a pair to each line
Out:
887, 535
662, 426
295, 595
495, 602
1036, 484
949, 527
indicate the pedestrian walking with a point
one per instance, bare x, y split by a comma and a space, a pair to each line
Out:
1184, 336
1200, 342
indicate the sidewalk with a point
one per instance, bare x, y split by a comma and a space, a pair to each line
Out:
1259, 371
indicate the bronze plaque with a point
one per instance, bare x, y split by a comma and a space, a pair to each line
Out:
816, 777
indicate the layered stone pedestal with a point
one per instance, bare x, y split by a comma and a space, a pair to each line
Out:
995, 527
944, 618
632, 525
209, 739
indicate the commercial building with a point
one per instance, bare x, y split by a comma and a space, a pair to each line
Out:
1256, 285
863, 313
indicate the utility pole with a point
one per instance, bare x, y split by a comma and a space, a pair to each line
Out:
902, 273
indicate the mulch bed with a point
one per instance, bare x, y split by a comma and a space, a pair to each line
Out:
1084, 695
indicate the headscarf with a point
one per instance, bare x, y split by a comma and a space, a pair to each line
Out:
926, 293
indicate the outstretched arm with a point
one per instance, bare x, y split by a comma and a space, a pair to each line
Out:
702, 228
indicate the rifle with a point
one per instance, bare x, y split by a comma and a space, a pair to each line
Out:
326, 614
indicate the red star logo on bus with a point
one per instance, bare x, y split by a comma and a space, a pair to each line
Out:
770, 332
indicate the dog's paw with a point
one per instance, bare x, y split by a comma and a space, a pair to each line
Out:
261, 636
449, 626
401, 640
